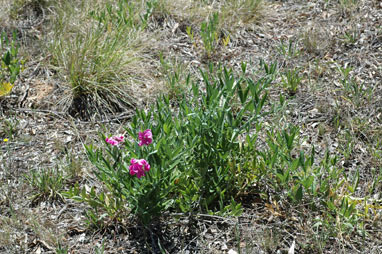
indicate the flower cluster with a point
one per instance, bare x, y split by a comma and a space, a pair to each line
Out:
116, 140
145, 138
137, 167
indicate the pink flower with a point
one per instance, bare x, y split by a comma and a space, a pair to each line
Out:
145, 138
114, 141
119, 139
139, 167
111, 141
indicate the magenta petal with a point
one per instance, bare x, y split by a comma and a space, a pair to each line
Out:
115, 140
119, 139
138, 167
111, 141
140, 174
146, 165
146, 137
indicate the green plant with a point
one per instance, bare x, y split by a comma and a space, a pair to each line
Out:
347, 146
113, 15
7, 160
200, 165
100, 250
61, 250
150, 6
210, 34
10, 63
291, 81
176, 79
48, 183
9, 127
270, 69
289, 49
94, 65
73, 165
344, 71
354, 92
123, 14
190, 35
298, 178
377, 180
147, 196
204, 155
219, 168
351, 37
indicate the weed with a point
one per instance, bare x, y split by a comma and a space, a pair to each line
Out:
270, 69
9, 128
291, 81
300, 178
205, 164
377, 181
215, 131
271, 240
72, 165
101, 249
347, 146
354, 92
190, 34
289, 49
10, 63
123, 14
318, 69
116, 15
175, 77
150, 6
210, 34
48, 232
61, 250
351, 37
310, 42
48, 184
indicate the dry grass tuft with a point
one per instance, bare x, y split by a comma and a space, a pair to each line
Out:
100, 63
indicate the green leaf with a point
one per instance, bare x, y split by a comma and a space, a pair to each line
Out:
7, 58
243, 67
298, 195
330, 205
308, 182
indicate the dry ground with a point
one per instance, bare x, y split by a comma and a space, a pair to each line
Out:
325, 36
